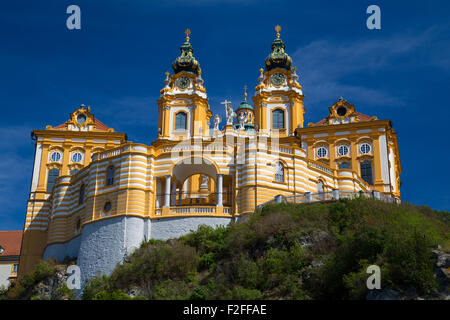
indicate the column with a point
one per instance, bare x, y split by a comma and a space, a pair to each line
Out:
174, 194
167, 192
219, 190
180, 194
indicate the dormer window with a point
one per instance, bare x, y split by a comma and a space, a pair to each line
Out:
81, 118
341, 111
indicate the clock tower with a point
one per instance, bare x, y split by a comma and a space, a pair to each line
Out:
183, 106
278, 97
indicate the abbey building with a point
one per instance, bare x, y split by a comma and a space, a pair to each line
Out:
96, 196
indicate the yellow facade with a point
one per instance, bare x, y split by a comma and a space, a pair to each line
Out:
197, 169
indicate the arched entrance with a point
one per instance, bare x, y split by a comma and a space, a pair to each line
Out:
194, 182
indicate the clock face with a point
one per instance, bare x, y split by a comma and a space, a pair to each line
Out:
277, 79
183, 82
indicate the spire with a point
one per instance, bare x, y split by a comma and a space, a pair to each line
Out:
278, 29
187, 33
278, 58
245, 93
186, 61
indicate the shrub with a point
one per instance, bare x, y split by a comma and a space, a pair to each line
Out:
22, 289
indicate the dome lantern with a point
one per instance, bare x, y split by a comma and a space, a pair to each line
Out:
186, 61
278, 58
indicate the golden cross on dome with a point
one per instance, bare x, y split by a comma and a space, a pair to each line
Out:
245, 92
278, 29
187, 33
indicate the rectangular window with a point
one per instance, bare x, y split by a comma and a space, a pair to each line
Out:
278, 119
15, 267
53, 174
366, 171
180, 121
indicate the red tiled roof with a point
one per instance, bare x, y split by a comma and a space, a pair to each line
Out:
11, 242
361, 117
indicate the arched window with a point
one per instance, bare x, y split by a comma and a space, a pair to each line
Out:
110, 176
320, 186
78, 226
366, 171
81, 198
180, 121
320, 190
52, 175
278, 119
279, 172
344, 165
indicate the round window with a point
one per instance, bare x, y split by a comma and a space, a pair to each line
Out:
76, 157
81, 118
365, 148
341, 111
107, 207
322, 152
343, 150
56, 156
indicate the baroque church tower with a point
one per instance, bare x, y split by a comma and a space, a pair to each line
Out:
183, 105
278, 96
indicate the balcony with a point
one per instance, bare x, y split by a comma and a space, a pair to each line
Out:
200, 203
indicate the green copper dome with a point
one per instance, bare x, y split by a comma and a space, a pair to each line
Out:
244, 104
278, 58
186, 61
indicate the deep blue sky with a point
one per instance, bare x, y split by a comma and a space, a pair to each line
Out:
116, 64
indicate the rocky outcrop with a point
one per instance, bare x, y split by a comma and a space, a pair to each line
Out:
53, 287
441, 273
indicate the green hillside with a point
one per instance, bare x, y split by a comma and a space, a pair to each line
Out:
288, 251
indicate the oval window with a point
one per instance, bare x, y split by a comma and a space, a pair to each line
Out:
56, 156
343, 150
76, 157
365, 148
322, 152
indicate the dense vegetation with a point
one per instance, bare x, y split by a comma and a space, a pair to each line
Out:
288, 251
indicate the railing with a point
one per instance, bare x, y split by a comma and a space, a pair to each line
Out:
192, 210
309, 197
320, 167
180, 199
